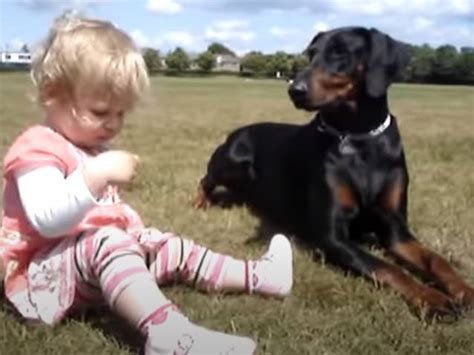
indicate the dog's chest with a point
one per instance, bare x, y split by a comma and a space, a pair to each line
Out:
361, 164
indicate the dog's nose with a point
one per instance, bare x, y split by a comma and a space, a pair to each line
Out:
298, 89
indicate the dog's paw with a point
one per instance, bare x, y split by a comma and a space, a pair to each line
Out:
201, 202
465, 297
432, 304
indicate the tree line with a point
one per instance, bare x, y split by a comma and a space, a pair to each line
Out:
255, 64
444, 65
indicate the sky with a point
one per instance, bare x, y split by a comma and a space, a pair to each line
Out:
245, 25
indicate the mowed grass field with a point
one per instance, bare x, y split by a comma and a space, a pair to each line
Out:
175, 131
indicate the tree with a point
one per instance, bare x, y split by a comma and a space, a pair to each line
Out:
297, 64
178, 60
255, 63
152, 59
464, 69
444, 63
279, 62
217, 48
421, 65
25, 48
206, 61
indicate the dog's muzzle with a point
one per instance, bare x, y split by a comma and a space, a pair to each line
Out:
298, 92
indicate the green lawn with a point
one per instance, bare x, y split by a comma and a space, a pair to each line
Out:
175, 131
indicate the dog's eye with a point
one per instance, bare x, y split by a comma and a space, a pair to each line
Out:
339, 51
338, 55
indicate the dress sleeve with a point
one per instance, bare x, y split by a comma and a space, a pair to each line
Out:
37, 147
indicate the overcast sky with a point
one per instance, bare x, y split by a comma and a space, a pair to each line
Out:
244, 25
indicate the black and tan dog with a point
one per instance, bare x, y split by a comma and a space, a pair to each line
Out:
343, 176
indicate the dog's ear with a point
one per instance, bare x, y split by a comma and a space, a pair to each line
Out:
242, 152
308, 51
386, 61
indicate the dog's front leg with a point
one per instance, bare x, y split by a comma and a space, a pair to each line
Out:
399, 240
425, 300
329, 232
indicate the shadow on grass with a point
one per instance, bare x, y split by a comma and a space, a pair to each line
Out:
112, 326
99, 318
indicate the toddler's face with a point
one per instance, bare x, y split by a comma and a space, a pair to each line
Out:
90, 118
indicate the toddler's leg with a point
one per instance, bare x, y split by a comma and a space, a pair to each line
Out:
112, 261
183, 260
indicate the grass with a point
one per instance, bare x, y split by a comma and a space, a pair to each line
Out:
175, 131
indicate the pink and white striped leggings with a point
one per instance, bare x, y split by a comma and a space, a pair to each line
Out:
109, 259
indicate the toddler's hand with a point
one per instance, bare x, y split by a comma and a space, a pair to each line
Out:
116, 167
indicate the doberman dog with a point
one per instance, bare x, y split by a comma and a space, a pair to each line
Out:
342, 178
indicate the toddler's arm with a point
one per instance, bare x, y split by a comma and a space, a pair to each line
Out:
54, 204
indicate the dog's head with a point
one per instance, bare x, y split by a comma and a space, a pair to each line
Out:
344, 62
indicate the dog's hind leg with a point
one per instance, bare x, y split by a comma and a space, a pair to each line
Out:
204, 191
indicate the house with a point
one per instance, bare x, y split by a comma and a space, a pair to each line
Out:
226, 62
15, 59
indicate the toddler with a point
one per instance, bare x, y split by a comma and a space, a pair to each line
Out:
69, 241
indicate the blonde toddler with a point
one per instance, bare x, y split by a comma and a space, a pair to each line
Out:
69, 241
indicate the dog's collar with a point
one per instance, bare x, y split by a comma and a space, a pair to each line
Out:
325, 127
345, 146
